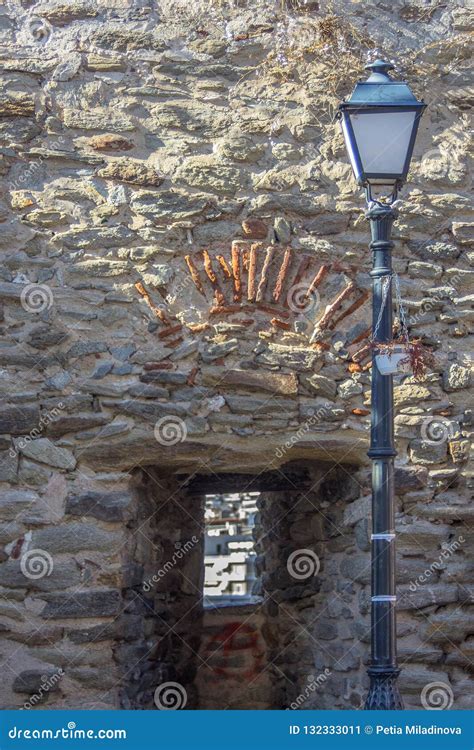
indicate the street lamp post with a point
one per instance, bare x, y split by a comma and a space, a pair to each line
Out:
380, 122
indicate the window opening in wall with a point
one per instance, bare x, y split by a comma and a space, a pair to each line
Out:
229, 552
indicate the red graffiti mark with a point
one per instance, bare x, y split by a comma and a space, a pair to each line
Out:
236, 637
16, 549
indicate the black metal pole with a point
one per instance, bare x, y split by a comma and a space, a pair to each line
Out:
383, 670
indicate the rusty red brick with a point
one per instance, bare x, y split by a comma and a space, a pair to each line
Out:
219, 297
282, 274
236, 272
225, 268
160, 314
262, 284
255, 229
318, 279
149, 366
194, 274
252, 271
280, 324
170, 331
334, 306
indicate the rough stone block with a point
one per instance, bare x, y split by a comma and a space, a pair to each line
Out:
104, 603
456, 377
107, 506
44, 451
275, 382
13, 502
74, 537
19, 420
37, 681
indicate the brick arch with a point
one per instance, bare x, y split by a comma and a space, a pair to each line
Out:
274, 288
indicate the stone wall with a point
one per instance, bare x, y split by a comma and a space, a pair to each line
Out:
184, 289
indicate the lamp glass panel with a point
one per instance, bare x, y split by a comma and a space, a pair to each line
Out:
383, 139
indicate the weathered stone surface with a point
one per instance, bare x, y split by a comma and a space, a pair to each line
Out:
456, 377
403, 395
294, 359
44, 451
426, 453
356, 568
464, 232
64, 574
203, 172
409, 479
95, 237
74, 537
61, 14
127, 170
260, 406
37, 681
286, 385
96, 119
110, 142
107, 506
168, 205
19, 420
358, 510
75, 423
448, 626
350, 388
14, 502
322, 385
8, 466
426, 595
216, 351
101, 603
17, 104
